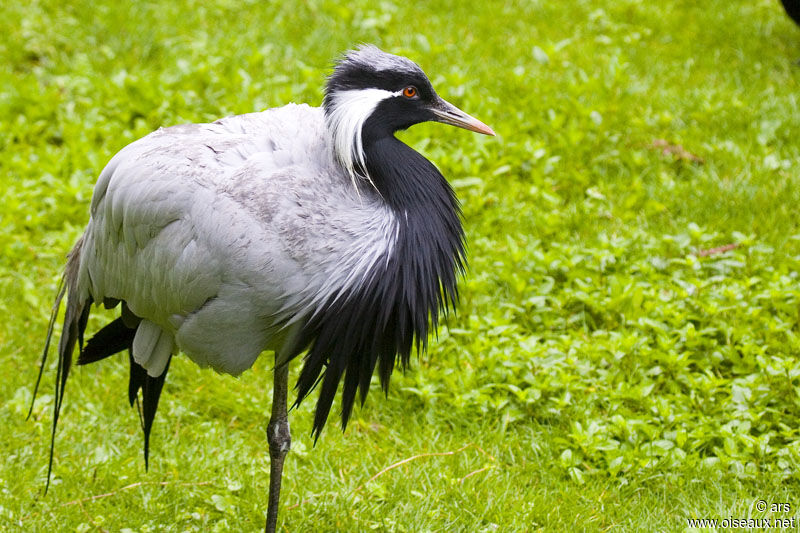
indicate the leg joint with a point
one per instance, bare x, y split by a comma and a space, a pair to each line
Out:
278, 436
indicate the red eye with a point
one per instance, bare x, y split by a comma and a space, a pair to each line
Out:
410, 92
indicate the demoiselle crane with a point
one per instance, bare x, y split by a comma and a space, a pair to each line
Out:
297, 229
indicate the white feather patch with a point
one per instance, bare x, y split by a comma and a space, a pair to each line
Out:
347, 114
152, 347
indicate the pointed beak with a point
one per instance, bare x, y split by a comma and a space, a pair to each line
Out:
447, 113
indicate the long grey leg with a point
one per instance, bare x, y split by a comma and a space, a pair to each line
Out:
279, 442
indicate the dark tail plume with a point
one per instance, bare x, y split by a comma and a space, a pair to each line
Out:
151, 392
75, 319
114, 338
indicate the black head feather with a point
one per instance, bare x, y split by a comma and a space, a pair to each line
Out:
367, 67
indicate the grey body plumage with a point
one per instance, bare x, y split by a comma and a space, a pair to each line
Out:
296, 229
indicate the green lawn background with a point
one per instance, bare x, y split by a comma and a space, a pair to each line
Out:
610, 367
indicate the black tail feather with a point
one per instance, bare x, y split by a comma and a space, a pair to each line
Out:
136, 379
74, 324
75, 318
113, 338
82, 321
151, 392
62, 288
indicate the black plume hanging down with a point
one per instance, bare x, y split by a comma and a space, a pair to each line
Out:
151, 392
75, 320
392, 312
114, 338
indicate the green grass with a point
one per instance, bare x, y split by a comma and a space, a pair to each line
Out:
602, 372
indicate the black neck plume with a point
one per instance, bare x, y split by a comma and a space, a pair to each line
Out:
382, 320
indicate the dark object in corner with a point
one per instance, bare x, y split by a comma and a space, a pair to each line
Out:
792, 8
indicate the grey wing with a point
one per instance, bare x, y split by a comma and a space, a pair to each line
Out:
172, 234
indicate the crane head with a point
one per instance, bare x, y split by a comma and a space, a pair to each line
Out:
372, 94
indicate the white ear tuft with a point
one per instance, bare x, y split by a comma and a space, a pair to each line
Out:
345, 118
